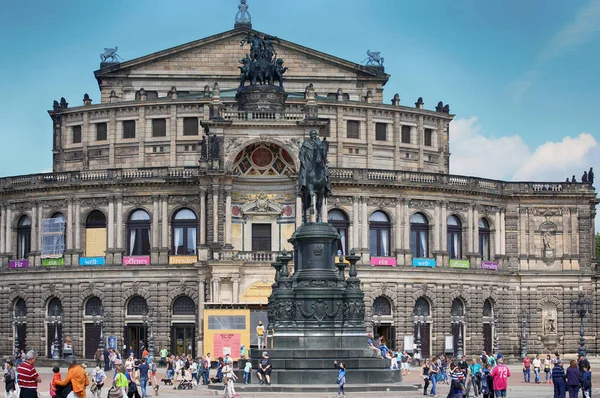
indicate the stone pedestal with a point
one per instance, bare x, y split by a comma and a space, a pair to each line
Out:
261, 98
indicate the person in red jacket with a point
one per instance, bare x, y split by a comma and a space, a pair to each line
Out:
500, 375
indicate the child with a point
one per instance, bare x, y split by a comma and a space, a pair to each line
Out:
247, 371
586, 382
56, 378
456, 385
341, 379
486, 382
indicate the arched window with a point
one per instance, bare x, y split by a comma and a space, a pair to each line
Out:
138, 231
93, 306
458, 308
419, 236
338, 219
20, 307
184, 305
55, 307
379, 234
23, 237
422, 307
488, 308
96, 219
484, 239
454, 237
137, 306
382, 306
95, 234
185, 227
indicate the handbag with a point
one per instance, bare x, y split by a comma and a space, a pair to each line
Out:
115, 392
93, 388
225, 380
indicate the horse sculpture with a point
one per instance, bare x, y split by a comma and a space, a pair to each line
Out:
110, 53
313, 179
374, 57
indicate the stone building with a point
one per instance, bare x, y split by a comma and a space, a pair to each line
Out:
132, 237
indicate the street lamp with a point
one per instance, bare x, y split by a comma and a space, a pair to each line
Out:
376, 321
18, 320
495, 322
581, 306
55, 319
98, 320
419, 320
148, 322
459, 320
523, 319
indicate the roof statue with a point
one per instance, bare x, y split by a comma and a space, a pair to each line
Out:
262, 65
374, 58
110, 53
243, 17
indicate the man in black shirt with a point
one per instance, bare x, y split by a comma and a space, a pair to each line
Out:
144, 368
264, 369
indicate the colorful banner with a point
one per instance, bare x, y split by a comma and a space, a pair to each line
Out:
136, 260
90, 261
18, 264
489, 265
226, 343
423, 262
53, 262
460, 264
173, 260
383, 261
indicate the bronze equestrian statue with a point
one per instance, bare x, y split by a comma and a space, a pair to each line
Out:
313, 178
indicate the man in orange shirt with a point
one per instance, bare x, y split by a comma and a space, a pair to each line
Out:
77, 377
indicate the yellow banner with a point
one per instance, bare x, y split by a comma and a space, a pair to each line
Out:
182, 259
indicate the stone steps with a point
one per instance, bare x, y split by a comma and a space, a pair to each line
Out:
241, 388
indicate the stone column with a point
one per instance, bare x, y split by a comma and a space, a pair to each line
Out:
3, 230
215, 291
370, 136
574, 232
444, 228
436, 227
215, 214
406, 221
164, 250
8, 224
420, 140
78, 250
67, 254
355, 224
236, 290
503, 233
38, 227
34, 233
565, 235
498, 245
475, 230
228, 217
155, 230
298, 212
397, 131
202, 218
110, 231
119, 246
365, 226
470, 230
324, 210
399, 227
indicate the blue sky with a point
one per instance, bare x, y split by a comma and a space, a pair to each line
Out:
521, 76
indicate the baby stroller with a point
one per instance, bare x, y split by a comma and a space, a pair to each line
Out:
185, 383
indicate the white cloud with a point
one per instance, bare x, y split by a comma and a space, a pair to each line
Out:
585, 25
510, 158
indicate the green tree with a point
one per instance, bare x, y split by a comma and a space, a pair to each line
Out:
597, 245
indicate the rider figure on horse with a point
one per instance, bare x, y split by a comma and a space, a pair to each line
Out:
313, 177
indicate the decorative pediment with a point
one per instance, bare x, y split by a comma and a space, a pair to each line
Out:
262, 205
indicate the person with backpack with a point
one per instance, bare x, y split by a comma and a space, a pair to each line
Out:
586, 382
98, 379
487, 382
120, 382
10, 380
153, 381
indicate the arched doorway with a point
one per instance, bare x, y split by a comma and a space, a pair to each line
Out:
183, 329
92, 315
422, 327
383, 321
488, 326
54, 335
457, 315
135, 329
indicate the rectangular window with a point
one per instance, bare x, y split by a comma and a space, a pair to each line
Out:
325, 131
101, 132
381, 131
76, 134
406, 134
428, 137
190, 126
353, 129
261, 237
159, 127
129, 129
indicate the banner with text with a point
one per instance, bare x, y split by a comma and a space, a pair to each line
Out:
489, 265
460, 264
383, 261
18, 264
174, 260
91, 261
136, 260
423, 262
53, 262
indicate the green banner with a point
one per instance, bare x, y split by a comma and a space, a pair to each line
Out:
460, 264
53, 262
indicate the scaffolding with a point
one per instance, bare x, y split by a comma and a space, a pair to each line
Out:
53, 237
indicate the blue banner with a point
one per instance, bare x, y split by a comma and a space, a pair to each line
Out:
423, 262
90, 261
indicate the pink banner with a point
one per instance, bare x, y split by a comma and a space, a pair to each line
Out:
489, 265
136, 260
383, 261
226, 343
